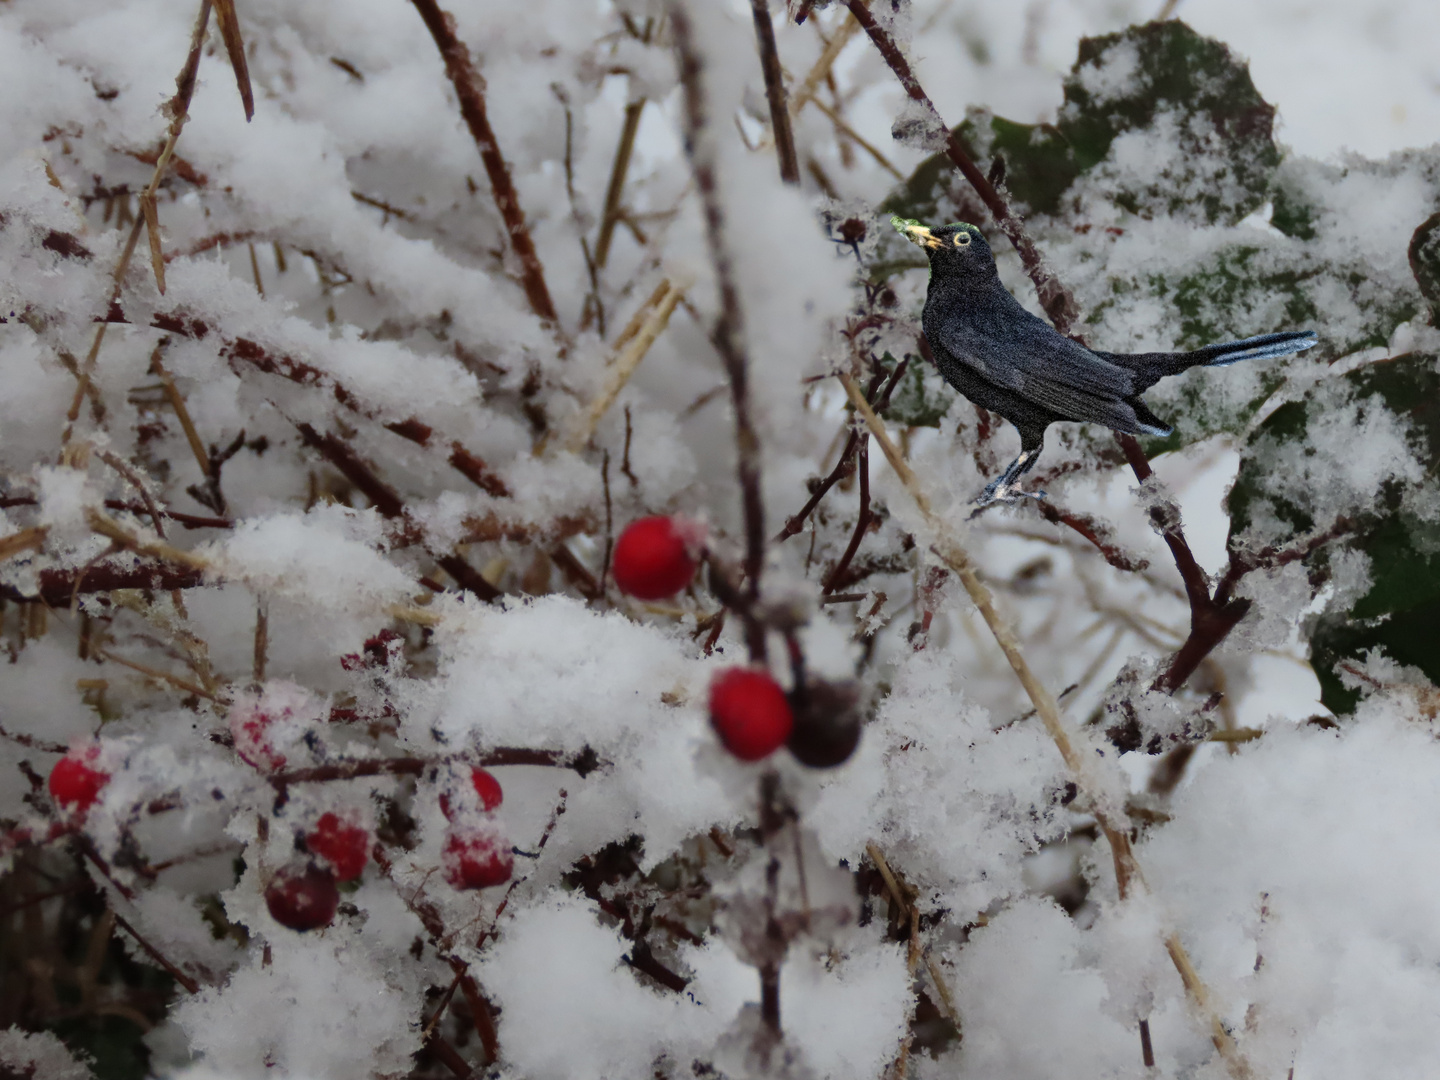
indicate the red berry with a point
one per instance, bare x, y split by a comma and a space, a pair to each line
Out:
75, 782
477, 858
303, 897
263, 725
749, 712
345, 846
656, 557
486, 787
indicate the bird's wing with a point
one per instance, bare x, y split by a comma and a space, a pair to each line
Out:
1010, 347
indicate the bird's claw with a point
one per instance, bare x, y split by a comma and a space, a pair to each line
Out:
996, 492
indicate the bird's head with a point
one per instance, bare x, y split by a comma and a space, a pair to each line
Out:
957, 249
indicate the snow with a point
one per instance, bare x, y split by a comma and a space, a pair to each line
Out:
339, 264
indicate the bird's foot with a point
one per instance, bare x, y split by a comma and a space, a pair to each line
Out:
996, 492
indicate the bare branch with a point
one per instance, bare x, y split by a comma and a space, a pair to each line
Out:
775, 92
729, 332
470, 90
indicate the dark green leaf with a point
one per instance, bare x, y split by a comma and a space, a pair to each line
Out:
1400, 613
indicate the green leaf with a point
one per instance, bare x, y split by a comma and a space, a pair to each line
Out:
1128, 81
1220, 126
1400, 613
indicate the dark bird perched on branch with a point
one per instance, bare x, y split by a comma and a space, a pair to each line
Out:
1011, 362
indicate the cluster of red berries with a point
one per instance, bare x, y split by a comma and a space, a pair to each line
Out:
656, 557
305, 894
476, 854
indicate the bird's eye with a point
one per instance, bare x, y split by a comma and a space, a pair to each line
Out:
962, 239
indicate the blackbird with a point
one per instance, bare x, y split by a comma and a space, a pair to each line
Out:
1011, 362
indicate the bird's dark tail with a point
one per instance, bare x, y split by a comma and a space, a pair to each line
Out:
1150, 368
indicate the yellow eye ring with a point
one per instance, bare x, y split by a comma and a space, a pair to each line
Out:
962, 239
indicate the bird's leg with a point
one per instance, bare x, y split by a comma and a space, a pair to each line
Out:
1003, 488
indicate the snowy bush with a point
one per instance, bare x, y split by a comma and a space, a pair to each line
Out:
340, 346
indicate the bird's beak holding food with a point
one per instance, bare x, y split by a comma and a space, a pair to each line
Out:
915, 232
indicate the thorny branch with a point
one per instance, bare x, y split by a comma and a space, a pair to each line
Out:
469, 87
1054, 297
388, 502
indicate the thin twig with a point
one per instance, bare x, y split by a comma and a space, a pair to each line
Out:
262, 640
116, 463
388, 502
862, 521
821, 68
469, 87
31, 742
842, 126
616, 187
775, 92
907, 908
178, 109
154, 673
434, 924
30, 539
175, 972
843, 465
729, 332
235, 49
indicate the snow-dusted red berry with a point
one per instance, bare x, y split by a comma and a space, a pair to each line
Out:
477, 858
263, 725
77, 778
656, 557
487, 789
303, 897
343, 844
749, 712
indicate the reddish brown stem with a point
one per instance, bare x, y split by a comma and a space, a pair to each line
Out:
58, 587
447, 1055
1197, 587
469, 87
862, 523
847, 455
430, 918
775, 92
729, 333
175, 973
386, 500
1094, 531
583, 763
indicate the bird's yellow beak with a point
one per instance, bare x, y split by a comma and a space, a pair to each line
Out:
915, 232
